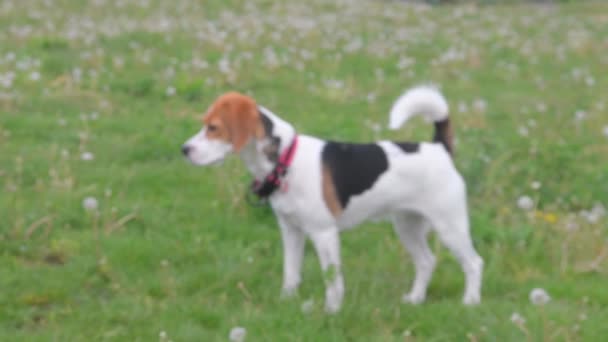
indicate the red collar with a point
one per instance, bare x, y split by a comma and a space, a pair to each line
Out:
263, 189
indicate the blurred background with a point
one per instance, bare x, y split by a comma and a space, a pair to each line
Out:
106, 233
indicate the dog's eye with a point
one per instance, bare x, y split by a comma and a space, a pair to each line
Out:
211, 128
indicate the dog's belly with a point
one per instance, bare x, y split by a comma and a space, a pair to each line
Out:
351, 222
363, 210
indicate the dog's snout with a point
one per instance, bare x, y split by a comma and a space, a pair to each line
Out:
186, 149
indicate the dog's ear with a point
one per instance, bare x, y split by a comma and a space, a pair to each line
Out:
240, 115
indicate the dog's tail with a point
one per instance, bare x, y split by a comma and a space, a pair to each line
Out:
427, 101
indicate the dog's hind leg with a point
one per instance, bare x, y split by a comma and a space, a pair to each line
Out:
452, 226
294, 241
327, 244
412, 229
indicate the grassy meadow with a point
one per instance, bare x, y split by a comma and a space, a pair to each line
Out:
108, 234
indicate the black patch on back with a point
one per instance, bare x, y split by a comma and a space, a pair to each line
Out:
408, 147
272, 150
354, 168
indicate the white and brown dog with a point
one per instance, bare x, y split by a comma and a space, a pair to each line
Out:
318, 188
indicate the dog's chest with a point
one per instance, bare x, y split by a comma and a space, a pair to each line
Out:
300, 211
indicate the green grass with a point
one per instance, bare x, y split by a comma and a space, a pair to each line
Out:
176, 249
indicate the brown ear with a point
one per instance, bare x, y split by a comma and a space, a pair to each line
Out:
240, 115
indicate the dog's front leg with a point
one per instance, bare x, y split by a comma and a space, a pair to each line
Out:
293, 252
327, 244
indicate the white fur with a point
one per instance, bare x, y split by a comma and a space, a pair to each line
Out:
422, 100
419, 192
205, 151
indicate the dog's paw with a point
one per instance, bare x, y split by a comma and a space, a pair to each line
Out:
471, 300
413, 298
332, 308
289, 292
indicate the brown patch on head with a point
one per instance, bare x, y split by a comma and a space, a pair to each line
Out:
329, 192
233, 117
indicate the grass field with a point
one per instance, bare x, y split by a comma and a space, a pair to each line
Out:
95, 101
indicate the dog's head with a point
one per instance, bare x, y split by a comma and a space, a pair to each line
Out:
231, 122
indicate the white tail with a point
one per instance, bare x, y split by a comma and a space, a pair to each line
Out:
421, 100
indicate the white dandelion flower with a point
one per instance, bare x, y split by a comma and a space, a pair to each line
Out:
598, 209
518, 319
170, 91
580, 115
539, 296
541, 107
224, 65
237, 334
34, 76
595, 214
371, 97
462, 107
480, 105
523, 131
90, 203
87, 156
525, 202
6, 80
535, 185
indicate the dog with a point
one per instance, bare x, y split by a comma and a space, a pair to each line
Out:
318, 188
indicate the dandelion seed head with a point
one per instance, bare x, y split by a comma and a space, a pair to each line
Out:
90, 203
523, 131
480, 105
87, 156
580, 115
539, 296
237, 334
34, 76
462, 107
525, 202
170, 91
518, 319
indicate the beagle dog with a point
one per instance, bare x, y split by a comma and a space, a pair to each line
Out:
318, 188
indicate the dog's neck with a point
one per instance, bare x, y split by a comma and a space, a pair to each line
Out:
261, 155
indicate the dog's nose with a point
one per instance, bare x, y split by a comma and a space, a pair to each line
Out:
186, 149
